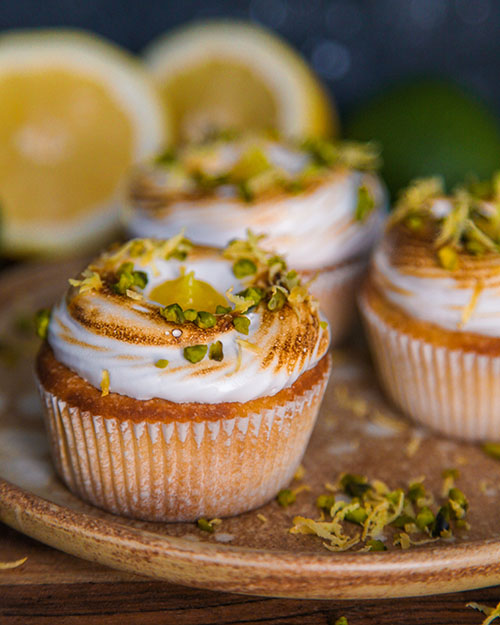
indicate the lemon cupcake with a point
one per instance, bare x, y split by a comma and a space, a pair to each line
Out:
182, 381
320, 205
431, 304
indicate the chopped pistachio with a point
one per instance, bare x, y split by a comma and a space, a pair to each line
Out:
341, 621
323, 325
416, 492
458, 503
244, 191
325, 502
128, 277
173, 312
195, 353
403, 520
216, 351
241, 324
162, 363
42, 319
190, 314
492, 449
376, 545
442, 522
425, 518
358, 516
205, 525
448, 258
278, 300
354, 485
365, 204
166, 158
244, 267
253, 293
285, 497
205, 320
222, 310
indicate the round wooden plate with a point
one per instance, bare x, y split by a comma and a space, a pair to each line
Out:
358, 431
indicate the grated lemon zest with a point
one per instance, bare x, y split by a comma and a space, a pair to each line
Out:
12, 565
491, 613
105, 383
250, 346
469, 309
262, 518
393, 423
356, 405
133, 295
91, 281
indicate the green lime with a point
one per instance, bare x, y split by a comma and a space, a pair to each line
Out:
429, 128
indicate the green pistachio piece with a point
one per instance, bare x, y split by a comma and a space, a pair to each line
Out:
205, 525
222, 310
365, 204
216, 352
190, 314
425, 518
205, 320
416, 492
174, 313
161, 364
42, 319
354, 485
285, 497
168, 157
341, 621
244, 267
277, 300
458, 496
402, 520
195, 353
253, 293
376, 545
245, 192
358, 516
241, 324
492, 449
325, 502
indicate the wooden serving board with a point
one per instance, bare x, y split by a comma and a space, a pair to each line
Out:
358, 431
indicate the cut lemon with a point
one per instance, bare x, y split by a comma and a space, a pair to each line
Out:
75, 113
226, 74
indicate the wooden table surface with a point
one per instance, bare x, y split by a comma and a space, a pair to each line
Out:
55, 588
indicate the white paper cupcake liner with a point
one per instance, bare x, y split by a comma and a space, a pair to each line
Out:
181, 471
336, 289
453, 391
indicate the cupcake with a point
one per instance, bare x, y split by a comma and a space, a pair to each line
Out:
431, 305
320, 205
181, 381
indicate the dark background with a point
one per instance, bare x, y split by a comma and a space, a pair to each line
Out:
356, 46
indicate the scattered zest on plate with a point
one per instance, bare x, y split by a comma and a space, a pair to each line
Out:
375, 508
13, 564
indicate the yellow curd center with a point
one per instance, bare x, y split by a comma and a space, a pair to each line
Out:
188, 292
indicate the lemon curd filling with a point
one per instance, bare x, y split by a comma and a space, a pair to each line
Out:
188, 292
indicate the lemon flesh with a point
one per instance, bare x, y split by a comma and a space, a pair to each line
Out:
225, 74
195, 102
188, 292
53, 125
75, 113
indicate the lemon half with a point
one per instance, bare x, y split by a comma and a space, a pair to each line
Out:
75, 113
229, 74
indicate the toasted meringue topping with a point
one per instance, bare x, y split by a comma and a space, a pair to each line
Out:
306, 206
409, 275
104, 329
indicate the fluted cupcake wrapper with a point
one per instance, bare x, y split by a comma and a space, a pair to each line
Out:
180, 471
453, 391
335, 289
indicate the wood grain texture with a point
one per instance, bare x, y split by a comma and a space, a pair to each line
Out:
55, 588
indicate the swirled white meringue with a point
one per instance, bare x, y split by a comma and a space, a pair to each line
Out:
241, 376
436, 296
313, 229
